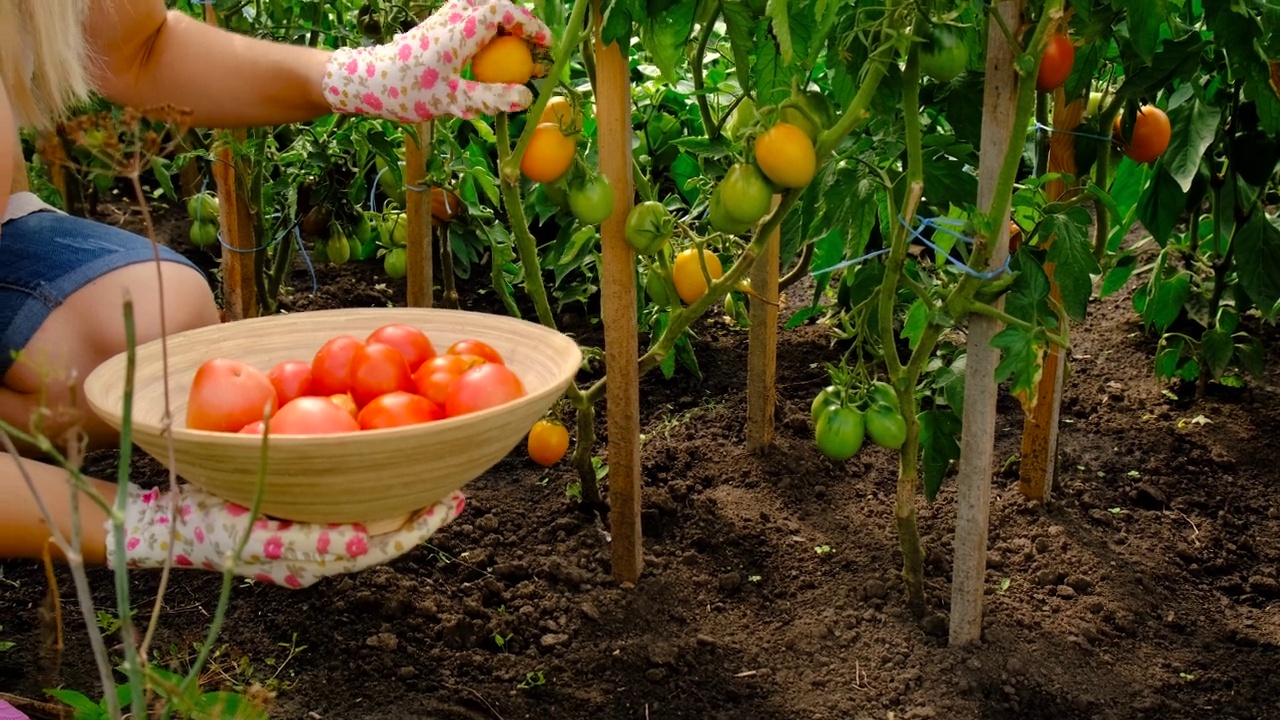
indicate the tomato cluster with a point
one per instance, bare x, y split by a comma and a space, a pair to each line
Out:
843, 419
392, 378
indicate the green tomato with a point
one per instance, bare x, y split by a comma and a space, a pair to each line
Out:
396, 262
741, 120
810, 111
591, 201
363, 231
840, 433
658, 291
203, 207
1091, 109
885, 426
391, 185
884, 392
718, 214
203, 233
649, 227
394, 229
944, 54
745, 194
338, 248
828, 397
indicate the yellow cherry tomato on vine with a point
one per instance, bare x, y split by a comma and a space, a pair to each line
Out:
561, 112
505, 59
785, 155
687, 275
548, 155
548, 442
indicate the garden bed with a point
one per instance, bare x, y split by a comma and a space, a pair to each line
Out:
1147, 589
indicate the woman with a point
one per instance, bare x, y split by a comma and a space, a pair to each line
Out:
63, 279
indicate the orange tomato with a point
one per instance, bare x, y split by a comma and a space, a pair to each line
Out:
1015, 237
562, 114
1151, 131
412, 343
548, 155
687, 275
475, 347
377, 369
396, 409
312, 415
785, 155
445, 204
228, 394
505, 59
548, 442
436, 375
1055, 65
331, 366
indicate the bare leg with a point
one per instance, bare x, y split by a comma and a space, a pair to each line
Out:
85, 330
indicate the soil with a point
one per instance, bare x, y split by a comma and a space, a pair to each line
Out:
1147, 588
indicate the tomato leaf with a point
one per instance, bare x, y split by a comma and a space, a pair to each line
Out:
618, 15
1144, 20
1118, 275
665, 36
1072, 255
1028, 297
1168, 356
222, 705
1253, 355
1020, 353
914, 324
772, 81
1166, 302
1216, 348
777, 12
1257, 260
938, 432
1195, 124
740, 25
1161, 205
947, 182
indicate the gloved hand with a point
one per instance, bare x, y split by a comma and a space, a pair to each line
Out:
278, 552
418, 75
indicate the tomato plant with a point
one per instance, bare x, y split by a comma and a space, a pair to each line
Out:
785, 154
1149, 137
549, 155
689, 276
945, 54
649, 227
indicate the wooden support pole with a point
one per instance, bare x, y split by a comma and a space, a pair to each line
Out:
418, 210
1038, 470
762, 344
973, 500
239, 269
618, 301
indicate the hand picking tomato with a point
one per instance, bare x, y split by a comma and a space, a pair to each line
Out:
436, 375
331, 366
377, 369
548, 442
1055, 64
312, 415
476, 347
504, 59
291, 379
481, 388
396, 409
228, 394
413, 344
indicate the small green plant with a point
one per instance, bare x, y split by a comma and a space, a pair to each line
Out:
7, 645
532, 680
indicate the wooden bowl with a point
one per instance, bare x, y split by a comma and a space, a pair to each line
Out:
376, 477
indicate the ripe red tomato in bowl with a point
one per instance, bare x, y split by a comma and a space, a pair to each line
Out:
227, 394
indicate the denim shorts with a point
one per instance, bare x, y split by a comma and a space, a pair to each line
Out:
45, 257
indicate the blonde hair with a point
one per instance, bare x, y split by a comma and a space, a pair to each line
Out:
43, 58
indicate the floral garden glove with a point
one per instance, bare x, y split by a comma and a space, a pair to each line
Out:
278, 552
418, 75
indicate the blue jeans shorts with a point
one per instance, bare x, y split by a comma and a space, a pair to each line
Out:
45, 257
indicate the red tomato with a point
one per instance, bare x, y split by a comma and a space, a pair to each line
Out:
228, 394
291, 378
346, 402
482, 387
398, 408
1055, 66
433, 379
312, 415
412, 343
331, 366
378, 369
476, 347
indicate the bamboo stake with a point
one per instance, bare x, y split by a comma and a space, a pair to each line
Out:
762, 343
239, 269
1039, 468
618, 300
418, 209
977, 445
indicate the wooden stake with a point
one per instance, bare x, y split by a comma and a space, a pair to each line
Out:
1039, 467
418, 210
762, 342
239, 269
973, 499
618, 300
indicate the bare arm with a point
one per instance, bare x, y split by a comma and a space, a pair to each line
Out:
10, 158
25, 533
152, 56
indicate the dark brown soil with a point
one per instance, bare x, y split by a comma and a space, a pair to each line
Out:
1147, 589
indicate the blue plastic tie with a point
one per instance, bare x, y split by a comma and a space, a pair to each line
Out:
959, 264
1045, 128
306, 257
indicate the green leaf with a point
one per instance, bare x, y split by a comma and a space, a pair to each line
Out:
1019, 359
1072, 255
1166, 303
938, 432
684, 170
665, 36
772, 81
827, 251
914, 324
1258, 261
1253, 356
1168, 357
1216, 348
1144, 20
1028, 297
1119, 274
1161, 205
1195, 124
618, 16
947, 182
740, 25
226, 706
83, 707
777, 12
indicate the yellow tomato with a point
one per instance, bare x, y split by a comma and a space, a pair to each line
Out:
506, 59
548, 155
562, 113
687, 275
785, 155
548, 442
